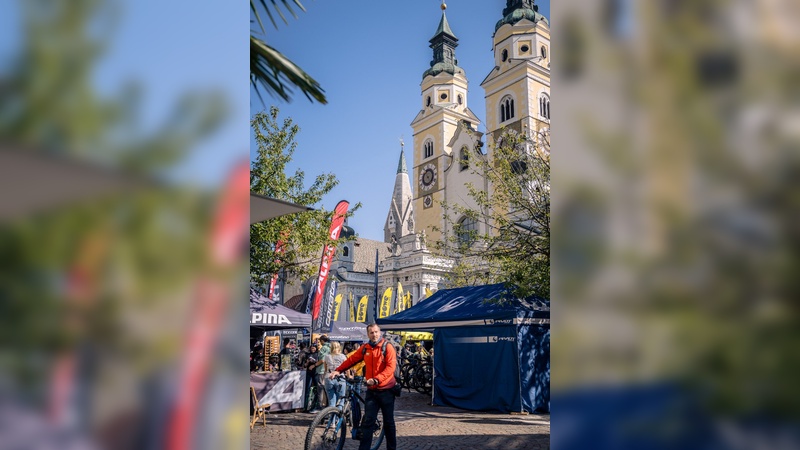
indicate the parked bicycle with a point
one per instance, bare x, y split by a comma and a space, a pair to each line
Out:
417, 373
328, 430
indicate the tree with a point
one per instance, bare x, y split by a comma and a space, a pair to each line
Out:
269, 68
72, 277
514, 246
303, 235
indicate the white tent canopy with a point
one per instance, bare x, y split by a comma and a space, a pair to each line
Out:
264, 208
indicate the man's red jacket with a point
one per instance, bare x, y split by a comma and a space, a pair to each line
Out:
375, 364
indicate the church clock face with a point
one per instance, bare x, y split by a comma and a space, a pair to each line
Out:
427, 177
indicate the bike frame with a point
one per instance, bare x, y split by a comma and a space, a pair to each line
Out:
347, 414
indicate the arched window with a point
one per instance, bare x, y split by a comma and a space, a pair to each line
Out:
506, 108
504, 55
544, 106
463, 158
346, 251
465, 230
428, 147
428, 101
544, 52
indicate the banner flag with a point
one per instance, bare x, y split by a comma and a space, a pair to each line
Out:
326, 316
279, 250
336, 228
386, 303
375, 309
337, 305
428, 293
400, 301
310, 298
352, 316
362, 309
408, 301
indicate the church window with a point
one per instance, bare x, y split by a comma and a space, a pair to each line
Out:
544, 106
524, 49
346, 251
428, 101
506, 109
544, 52
464, 158
504, 55
465, 230
428, 148
460, 99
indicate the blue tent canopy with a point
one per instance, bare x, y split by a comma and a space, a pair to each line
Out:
491, 304
492, 348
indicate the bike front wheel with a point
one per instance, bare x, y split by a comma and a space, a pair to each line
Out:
327, 431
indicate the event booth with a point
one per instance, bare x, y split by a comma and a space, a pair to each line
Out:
283, 389
492, 349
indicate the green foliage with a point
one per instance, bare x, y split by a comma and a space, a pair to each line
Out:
269, 68
515, 246
303, 234
74, 274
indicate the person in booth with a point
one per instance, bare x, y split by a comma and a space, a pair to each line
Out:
380, 360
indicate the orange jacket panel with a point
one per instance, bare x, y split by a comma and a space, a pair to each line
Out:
375, 364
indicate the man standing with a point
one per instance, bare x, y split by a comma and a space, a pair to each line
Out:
311, 372
324, 350
380, 381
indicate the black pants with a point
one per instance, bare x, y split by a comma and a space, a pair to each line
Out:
383, 400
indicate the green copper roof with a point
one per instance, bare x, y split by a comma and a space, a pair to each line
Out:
518, 10
444, 27
444, 44
401, 165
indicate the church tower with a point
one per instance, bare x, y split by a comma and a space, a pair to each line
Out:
518, 87
400, 220
442, 128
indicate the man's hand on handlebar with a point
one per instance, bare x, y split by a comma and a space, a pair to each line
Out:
333, 374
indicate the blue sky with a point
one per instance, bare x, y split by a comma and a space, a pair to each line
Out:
369, 57
168, 49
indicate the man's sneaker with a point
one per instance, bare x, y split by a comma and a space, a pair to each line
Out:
314, 411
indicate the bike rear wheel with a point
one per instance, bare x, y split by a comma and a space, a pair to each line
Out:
423, 379
327, 431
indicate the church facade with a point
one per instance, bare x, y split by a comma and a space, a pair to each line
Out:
446, 141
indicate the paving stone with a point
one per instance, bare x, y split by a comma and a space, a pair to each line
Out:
421, 426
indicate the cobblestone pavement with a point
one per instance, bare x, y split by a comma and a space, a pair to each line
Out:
422, 426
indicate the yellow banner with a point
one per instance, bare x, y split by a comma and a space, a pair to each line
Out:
362, 310
408, 300
352, 316
386, 303
337, 304
401, 304
428, 292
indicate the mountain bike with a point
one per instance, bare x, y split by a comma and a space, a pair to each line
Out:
328, 430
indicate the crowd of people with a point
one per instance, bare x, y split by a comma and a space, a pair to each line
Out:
374, 363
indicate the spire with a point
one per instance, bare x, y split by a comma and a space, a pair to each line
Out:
400, 220
444, 44
444, 27
401, 165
